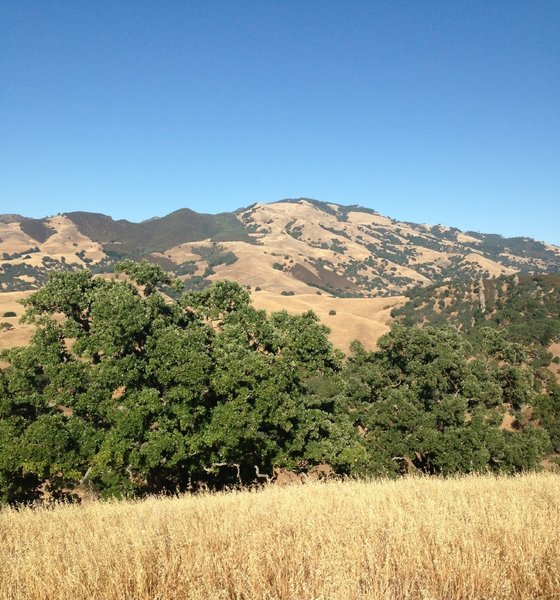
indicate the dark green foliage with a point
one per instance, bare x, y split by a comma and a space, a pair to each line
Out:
186, 268
215, 255
526, 309
295, 232
153, 395
181, 226
337, 246
10, 313
82, 256
37, 229
547, 410
196, 283
145, 273
340, 232
495, 245
10, 275
428, 401
126, 392
23, 254
325, 279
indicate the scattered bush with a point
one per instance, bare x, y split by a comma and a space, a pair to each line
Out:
215, 255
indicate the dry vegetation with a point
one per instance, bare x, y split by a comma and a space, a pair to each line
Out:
363, 319
555, 350
20, 334
469, 538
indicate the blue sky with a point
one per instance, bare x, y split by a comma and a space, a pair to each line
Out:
441, 112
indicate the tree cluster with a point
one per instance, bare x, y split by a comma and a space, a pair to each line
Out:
124, 391
526, 309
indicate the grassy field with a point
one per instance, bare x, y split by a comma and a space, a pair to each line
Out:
419, 538
20, 334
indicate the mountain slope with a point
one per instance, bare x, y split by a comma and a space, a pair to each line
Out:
292, 246
525, 308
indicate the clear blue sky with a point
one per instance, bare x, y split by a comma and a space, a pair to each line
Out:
442, 112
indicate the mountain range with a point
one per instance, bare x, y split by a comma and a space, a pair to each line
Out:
291, 245
342, 261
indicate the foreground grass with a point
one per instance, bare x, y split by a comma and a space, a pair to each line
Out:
474, 537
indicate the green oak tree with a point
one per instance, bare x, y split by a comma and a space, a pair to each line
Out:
126, 391
428, 401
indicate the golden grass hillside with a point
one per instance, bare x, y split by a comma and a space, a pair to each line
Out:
471, 538
19, 334
364, 319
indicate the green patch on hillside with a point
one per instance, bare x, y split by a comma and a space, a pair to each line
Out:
10, 277
495, 246
326, 279
37, 229
157, 235
526, 309
214, 255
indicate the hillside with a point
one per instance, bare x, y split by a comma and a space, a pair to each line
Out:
292, 246
526, 308
294, 254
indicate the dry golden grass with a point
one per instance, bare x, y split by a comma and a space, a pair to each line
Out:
494, 269
364, 319
555, 350
13, 239
67, 240
64, 242
10, 301
416, 539
20, 334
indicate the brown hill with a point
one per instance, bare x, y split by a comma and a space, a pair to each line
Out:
293, 245
286, 252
